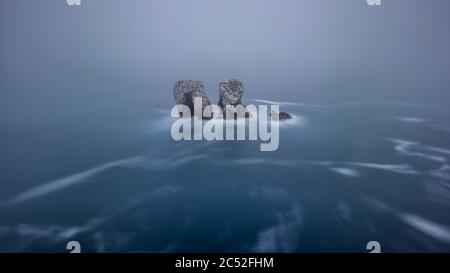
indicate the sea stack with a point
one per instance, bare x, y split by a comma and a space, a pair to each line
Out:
230, 93
281, 116
185, 91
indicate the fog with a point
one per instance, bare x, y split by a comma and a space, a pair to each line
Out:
55, 57
86, 152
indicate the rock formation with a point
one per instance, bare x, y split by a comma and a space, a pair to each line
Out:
230, 93
185, 91
283, 116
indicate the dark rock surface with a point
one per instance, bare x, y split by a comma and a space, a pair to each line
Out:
284, 116
185, 91
230, 92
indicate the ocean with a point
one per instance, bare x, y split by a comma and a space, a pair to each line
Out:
344, 175
86, 152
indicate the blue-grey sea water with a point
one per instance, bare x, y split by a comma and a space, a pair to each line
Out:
86, 152
344, 175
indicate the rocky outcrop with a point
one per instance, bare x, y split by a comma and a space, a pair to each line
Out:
185, 91
230, 93
283, 116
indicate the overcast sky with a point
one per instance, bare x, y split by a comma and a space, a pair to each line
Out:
300, 50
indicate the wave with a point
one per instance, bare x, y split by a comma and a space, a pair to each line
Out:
341, 167
29, 233
281, 237
346, 171
399, 168
403, 146
64, 182
294, 121
439, 150
142, 162
427, 227
411, 119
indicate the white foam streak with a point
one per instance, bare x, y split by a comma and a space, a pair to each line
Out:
401, 168
84, 176
427, 227
411, 119
70, 180
346, 171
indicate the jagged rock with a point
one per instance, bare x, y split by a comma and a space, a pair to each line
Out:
283, 116
230, 93
185, 91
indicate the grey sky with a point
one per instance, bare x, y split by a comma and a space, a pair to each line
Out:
300, 50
